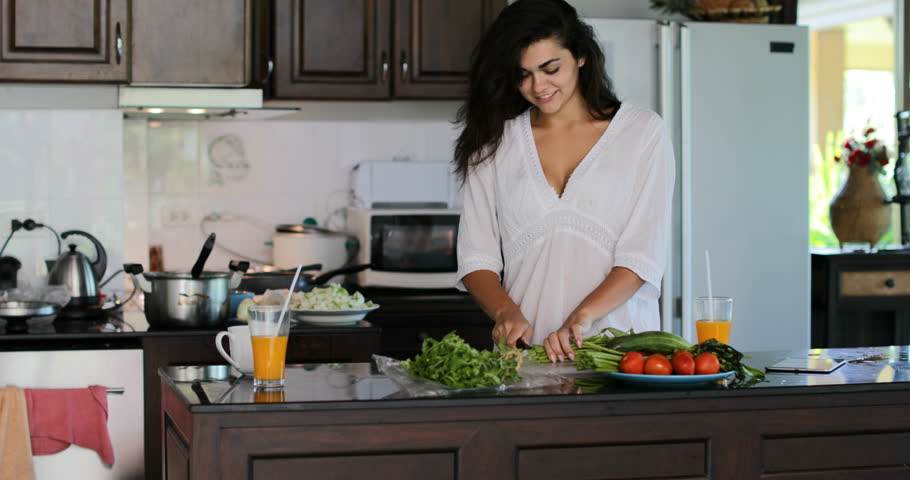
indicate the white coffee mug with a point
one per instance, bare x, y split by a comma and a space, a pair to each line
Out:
241, 356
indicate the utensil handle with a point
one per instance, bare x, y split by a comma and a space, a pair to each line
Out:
319, 280
219, 344
203, 255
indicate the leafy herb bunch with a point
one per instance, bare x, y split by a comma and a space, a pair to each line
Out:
730, 359
454, 363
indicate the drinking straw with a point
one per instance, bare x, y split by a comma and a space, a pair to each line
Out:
710, 293
287, 300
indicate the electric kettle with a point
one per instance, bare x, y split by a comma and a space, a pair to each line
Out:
74, 271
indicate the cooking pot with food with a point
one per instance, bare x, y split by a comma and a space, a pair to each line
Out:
180, 300
304, 244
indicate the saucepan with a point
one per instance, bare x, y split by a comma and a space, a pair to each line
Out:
260, 282
178, 299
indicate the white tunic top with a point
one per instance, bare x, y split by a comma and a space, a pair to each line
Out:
555, 250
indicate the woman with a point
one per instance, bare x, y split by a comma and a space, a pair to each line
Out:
567, 190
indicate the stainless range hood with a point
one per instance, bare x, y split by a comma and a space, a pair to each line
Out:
194, 103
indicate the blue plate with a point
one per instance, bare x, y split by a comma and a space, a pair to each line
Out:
668, 379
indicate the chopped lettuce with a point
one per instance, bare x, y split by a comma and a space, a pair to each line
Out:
330, 297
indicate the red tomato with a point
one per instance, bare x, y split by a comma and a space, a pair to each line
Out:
683, 352
632, 362
658, 364
683, 363
706, 364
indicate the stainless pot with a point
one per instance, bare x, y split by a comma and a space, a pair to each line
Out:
177, 300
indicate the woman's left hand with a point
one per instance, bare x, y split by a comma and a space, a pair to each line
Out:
557, 344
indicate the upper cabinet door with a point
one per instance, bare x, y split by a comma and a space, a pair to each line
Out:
433, 44
191, 42
64, 40
332, 49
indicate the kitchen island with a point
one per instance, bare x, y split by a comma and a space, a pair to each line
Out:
349, 421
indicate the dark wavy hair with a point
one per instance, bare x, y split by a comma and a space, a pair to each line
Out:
493, 95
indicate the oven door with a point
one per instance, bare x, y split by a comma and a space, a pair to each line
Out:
414, 243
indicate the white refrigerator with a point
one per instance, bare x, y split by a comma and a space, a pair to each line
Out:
736, 99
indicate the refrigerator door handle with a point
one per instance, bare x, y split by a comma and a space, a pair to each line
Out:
685, 156
666, 98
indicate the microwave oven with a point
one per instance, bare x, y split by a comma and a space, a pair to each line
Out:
406, 248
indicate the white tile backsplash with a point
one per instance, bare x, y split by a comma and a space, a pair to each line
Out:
255, 175
63, 168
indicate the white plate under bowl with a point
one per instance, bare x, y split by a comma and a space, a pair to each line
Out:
331, 317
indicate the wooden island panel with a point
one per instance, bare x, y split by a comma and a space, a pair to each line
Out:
803, 437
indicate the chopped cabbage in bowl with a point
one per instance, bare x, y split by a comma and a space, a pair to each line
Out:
330, 297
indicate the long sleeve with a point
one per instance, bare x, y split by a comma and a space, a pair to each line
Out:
478, 230
642, 244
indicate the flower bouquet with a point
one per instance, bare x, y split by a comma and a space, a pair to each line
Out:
867, 153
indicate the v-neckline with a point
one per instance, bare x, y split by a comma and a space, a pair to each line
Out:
537, 167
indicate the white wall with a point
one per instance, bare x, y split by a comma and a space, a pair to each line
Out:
257, 175
62, 168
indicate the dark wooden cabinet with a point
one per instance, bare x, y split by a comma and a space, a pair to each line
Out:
376, 49
337, 345
860, 299
433, 44
804, 433
64, 40
199, 42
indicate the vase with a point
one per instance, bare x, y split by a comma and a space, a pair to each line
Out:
860, 212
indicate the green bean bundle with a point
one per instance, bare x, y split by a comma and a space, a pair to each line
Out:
593, 354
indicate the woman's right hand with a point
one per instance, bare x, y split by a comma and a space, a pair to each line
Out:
512, 325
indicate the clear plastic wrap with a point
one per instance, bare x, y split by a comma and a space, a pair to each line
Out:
531, 379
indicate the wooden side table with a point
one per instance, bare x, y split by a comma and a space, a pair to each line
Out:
860, 299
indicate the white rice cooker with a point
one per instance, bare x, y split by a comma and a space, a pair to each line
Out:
308, 244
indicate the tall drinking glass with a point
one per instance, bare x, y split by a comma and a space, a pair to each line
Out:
269, 335
713, 316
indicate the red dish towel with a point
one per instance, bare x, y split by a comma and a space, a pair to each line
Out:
62, 416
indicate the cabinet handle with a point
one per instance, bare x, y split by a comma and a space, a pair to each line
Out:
270, 67
404, 66
890, 283
385, 66
118, 42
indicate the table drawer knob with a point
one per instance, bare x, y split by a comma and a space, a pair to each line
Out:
890, 283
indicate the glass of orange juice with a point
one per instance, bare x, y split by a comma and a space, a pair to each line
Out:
713, 317
269, 336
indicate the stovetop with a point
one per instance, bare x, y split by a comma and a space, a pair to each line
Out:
115, 322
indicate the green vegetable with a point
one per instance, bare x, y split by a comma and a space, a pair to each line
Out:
331, 297
592, 355
454, 363
730, 360
656, 342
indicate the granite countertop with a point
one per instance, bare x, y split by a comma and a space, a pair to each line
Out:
133, 325
361, 385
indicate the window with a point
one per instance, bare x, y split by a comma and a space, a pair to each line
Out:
852, 86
